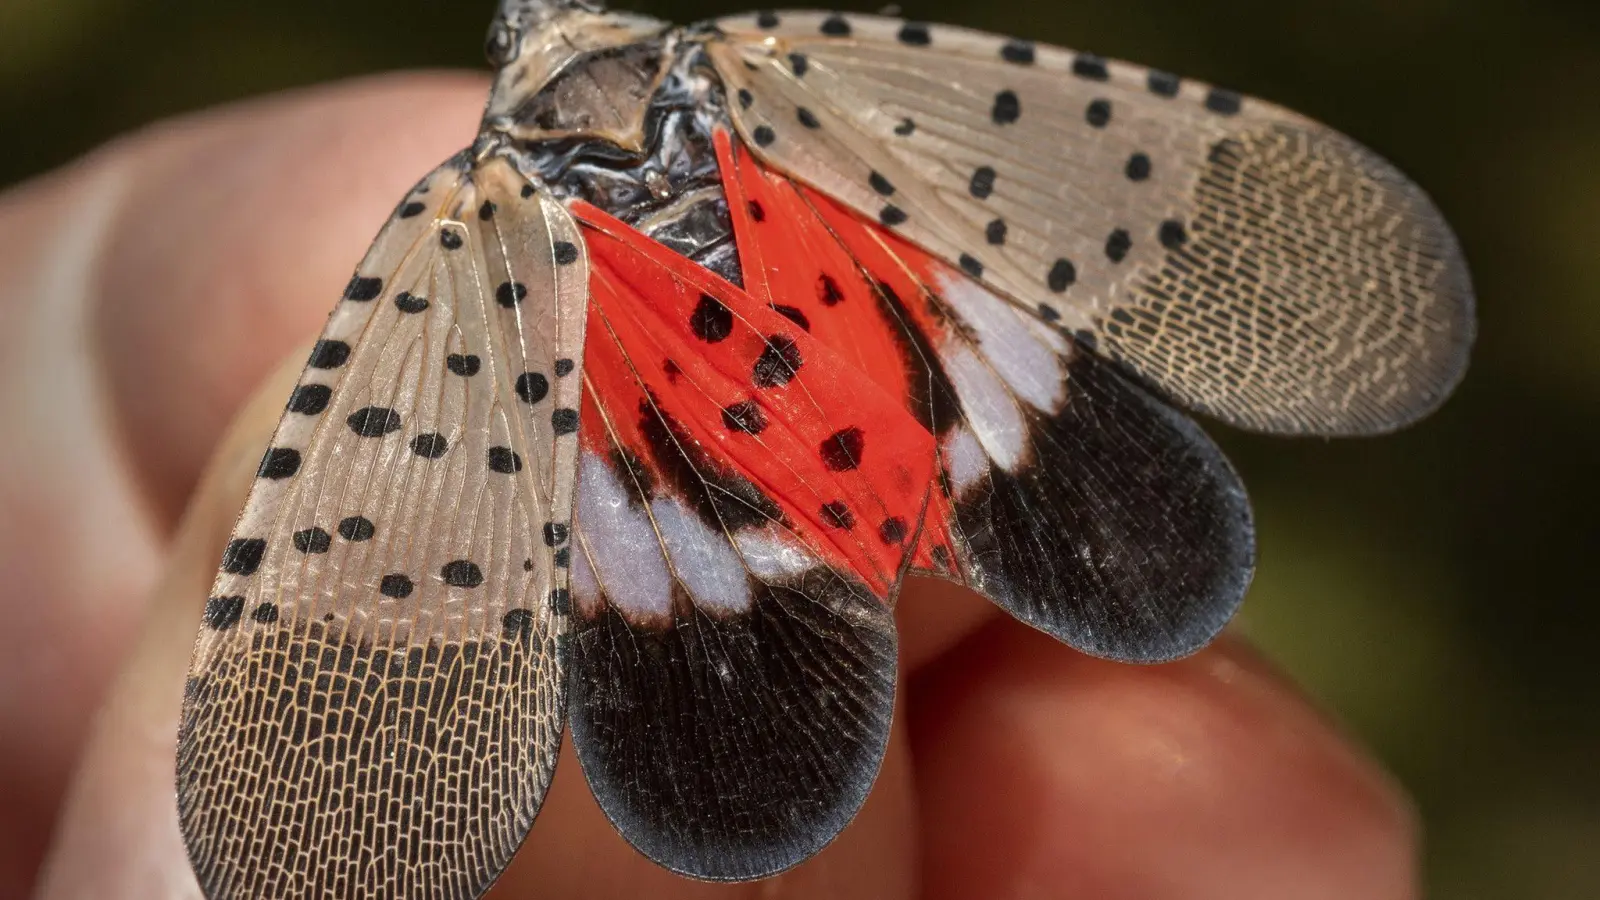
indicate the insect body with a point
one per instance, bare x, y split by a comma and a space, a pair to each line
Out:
640, 409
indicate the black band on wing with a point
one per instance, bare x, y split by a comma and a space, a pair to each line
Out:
1127, 535
734, 747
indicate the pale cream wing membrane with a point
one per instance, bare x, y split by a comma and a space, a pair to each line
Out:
1246, 261
376, 697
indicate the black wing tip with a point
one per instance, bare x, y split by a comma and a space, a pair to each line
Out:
1150, 549
737, 748
1152, 643
740, 857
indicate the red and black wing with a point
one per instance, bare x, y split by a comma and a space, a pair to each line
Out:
1070, 496
747, 506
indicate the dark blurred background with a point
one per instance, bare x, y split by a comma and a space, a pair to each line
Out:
1434, 589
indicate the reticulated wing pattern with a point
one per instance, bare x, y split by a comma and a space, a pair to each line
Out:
747, 506
1243, 260
1071, 497
376, 697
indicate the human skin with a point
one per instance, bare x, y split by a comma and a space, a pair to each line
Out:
169, 284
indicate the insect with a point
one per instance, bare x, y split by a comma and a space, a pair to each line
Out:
640, 409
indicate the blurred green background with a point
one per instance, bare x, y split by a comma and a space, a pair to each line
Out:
1434, 589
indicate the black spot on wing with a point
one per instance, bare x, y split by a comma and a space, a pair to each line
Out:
1017, 52
1118, 243
504, 460
243, 556
329, 355
357, 528
836, 26
744, 416
564, 421
362, 289
1098, 113
837, 514
531, 387
915, 34
374, 421
312, 540
461, 573
1062, 275
410, 303
1162, 84
310, 399
1087, 65
733, 749
778, 363
793, 314
223, 613
396, 585
1223, 102
711, 321
431, 445
510, 293
842, 451
1007, 108
278, 463
720, 496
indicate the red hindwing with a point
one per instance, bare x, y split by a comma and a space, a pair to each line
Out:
748, 386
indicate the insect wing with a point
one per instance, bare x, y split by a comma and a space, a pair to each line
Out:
376, 698
1241, 259
1071, 497
747, 507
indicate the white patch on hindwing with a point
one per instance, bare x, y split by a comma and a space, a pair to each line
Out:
621, 544
964, 459
772, 555
1027, 355
702, 559
990, 408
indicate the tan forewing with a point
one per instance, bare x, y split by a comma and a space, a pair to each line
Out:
1245, 260
376, 700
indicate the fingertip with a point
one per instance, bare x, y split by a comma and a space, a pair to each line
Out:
934, 615
1042, 770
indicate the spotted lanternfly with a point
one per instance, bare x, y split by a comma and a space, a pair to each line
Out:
640, 409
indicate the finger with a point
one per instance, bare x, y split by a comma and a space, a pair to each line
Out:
935, 615
143, 292
121, 813
1045, 773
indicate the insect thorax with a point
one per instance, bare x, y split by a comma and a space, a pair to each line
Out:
629, 129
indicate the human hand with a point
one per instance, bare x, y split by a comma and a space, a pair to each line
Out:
146, 292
